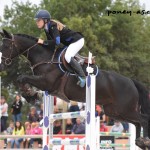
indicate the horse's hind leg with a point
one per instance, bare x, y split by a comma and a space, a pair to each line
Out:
145, 141
145, 125
138, 130
149, 128
140, 120
139, 140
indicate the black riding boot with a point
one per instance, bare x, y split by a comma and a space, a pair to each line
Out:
78, 69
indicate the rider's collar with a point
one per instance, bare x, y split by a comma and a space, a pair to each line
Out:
47, 26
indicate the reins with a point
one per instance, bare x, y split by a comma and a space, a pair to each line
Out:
8, 60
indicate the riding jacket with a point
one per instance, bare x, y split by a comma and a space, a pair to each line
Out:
58, 33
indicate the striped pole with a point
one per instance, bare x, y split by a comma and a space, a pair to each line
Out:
115, 134
90, 143
67, 115
51, 121
48, 103
97, 133
67, 141
90, 113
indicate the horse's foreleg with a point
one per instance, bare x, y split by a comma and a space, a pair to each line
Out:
36, 81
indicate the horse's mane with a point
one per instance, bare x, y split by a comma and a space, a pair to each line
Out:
27, 36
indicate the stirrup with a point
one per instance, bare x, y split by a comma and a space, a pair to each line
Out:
81, 82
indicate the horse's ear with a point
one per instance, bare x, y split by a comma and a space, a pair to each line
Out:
6, 34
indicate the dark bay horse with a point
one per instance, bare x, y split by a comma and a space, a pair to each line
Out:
122, 98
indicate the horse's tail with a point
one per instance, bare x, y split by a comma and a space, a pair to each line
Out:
144, 99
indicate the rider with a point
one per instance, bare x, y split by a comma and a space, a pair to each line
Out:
57, 32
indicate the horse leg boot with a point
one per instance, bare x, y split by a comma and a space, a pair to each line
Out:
78, 69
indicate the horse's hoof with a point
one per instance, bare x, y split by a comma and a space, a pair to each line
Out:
147, 142
140, 143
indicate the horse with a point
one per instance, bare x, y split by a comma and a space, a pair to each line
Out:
122, 98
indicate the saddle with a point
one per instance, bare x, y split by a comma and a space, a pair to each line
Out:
80, 59
65, 67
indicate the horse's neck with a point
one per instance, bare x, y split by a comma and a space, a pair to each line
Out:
38, 55
33, 52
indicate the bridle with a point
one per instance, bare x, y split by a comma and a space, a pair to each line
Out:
8, 60
13, 47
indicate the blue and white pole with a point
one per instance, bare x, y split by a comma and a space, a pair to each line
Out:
47, 125
90, 143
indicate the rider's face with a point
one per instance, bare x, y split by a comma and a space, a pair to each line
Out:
40, 23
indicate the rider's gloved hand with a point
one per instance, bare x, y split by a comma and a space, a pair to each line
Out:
40, 41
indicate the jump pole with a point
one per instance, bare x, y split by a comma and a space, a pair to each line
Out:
90, 137
47, 124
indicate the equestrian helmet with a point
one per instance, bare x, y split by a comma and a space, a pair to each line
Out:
43, 14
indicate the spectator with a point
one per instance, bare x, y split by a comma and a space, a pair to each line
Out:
33, 116
117, 127
73, 108
41, 113
27, 132
79, 127
69, 126
125, 127
55, 100
9, 131
103, 127
4, 113
16, 109
100, 112
56, 110
36, 130
82, 108
57, 129
18, 130
110, 121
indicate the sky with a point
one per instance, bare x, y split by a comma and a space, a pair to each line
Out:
8, 2
147, 4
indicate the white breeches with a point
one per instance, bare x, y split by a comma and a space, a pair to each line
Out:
73, 49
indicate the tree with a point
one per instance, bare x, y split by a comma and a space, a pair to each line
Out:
130, 48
